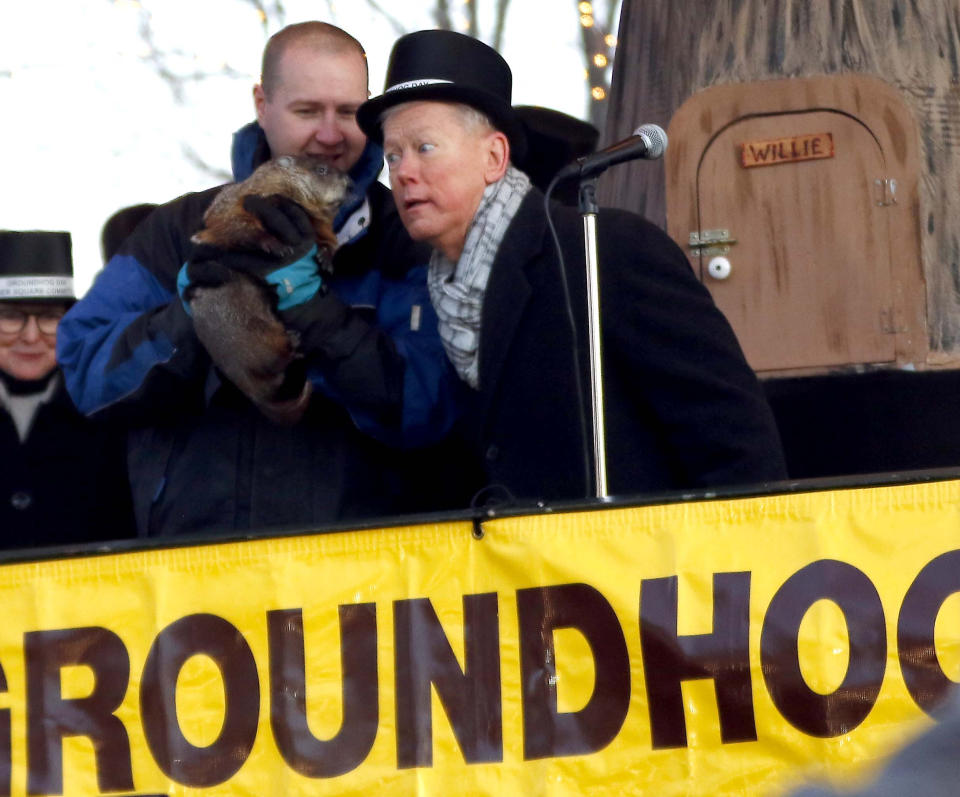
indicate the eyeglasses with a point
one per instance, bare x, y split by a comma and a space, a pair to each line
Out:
13, 321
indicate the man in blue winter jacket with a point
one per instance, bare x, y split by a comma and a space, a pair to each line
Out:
201, 456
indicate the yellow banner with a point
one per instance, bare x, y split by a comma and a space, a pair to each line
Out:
718, 648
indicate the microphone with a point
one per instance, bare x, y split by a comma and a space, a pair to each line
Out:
648, 142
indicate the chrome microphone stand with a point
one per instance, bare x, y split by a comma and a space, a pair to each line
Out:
589, 210
649, 142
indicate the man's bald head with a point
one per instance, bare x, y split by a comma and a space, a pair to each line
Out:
319, 35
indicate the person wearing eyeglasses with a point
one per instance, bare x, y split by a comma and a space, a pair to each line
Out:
62, 477
27, 338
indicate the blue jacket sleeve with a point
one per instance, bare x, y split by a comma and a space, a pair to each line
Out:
128, 346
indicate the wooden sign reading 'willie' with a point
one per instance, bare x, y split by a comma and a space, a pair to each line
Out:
811, 146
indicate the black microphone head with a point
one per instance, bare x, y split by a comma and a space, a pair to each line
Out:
655, 139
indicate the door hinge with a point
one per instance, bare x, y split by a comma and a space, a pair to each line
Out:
888, 322
886, 191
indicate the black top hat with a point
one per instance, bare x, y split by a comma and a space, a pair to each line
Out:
36, 267
445, 66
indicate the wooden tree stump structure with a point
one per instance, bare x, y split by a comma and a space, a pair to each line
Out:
795, 69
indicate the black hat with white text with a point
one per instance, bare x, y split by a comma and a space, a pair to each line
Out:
445, 66
36, 266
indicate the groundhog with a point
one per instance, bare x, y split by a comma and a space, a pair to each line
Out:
235, 321
307, 180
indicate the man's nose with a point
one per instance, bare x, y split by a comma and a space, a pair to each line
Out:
403, 171
328, 131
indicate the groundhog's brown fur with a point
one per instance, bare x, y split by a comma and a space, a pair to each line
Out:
308, 181
235, 321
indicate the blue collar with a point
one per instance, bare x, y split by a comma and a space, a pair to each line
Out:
250, 149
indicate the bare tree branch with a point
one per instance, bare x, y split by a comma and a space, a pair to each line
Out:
193, 158
597, 59
499, 22
613, 17
177, 80
277, 11
441, 15
395, 23
473, 28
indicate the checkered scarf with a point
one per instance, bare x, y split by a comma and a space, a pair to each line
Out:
457, 289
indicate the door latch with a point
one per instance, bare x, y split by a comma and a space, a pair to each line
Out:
711, 243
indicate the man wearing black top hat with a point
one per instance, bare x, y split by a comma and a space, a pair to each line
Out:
62, 479
683, 407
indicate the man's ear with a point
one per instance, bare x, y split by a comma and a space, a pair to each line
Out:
259, 100
497, 156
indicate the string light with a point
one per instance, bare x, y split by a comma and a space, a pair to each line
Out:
600, 60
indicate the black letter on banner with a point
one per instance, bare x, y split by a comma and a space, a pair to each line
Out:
724, 656
50, 718
922, 674
306, 754
470, 698
548, 732
5, 760
208, 635
838, 713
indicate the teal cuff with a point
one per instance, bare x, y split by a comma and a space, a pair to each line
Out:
183, 282
298, 282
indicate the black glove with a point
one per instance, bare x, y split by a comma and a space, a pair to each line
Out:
294, 274
284, 219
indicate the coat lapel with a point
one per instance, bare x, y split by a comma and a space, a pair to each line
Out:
509, 290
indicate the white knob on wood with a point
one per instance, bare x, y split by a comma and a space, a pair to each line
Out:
719, 268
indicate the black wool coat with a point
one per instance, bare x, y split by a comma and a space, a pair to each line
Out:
66, 483
683, 408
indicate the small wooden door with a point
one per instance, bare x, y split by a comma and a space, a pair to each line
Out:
809, 275
824, 262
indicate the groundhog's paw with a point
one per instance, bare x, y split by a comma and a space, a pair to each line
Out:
273, 246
